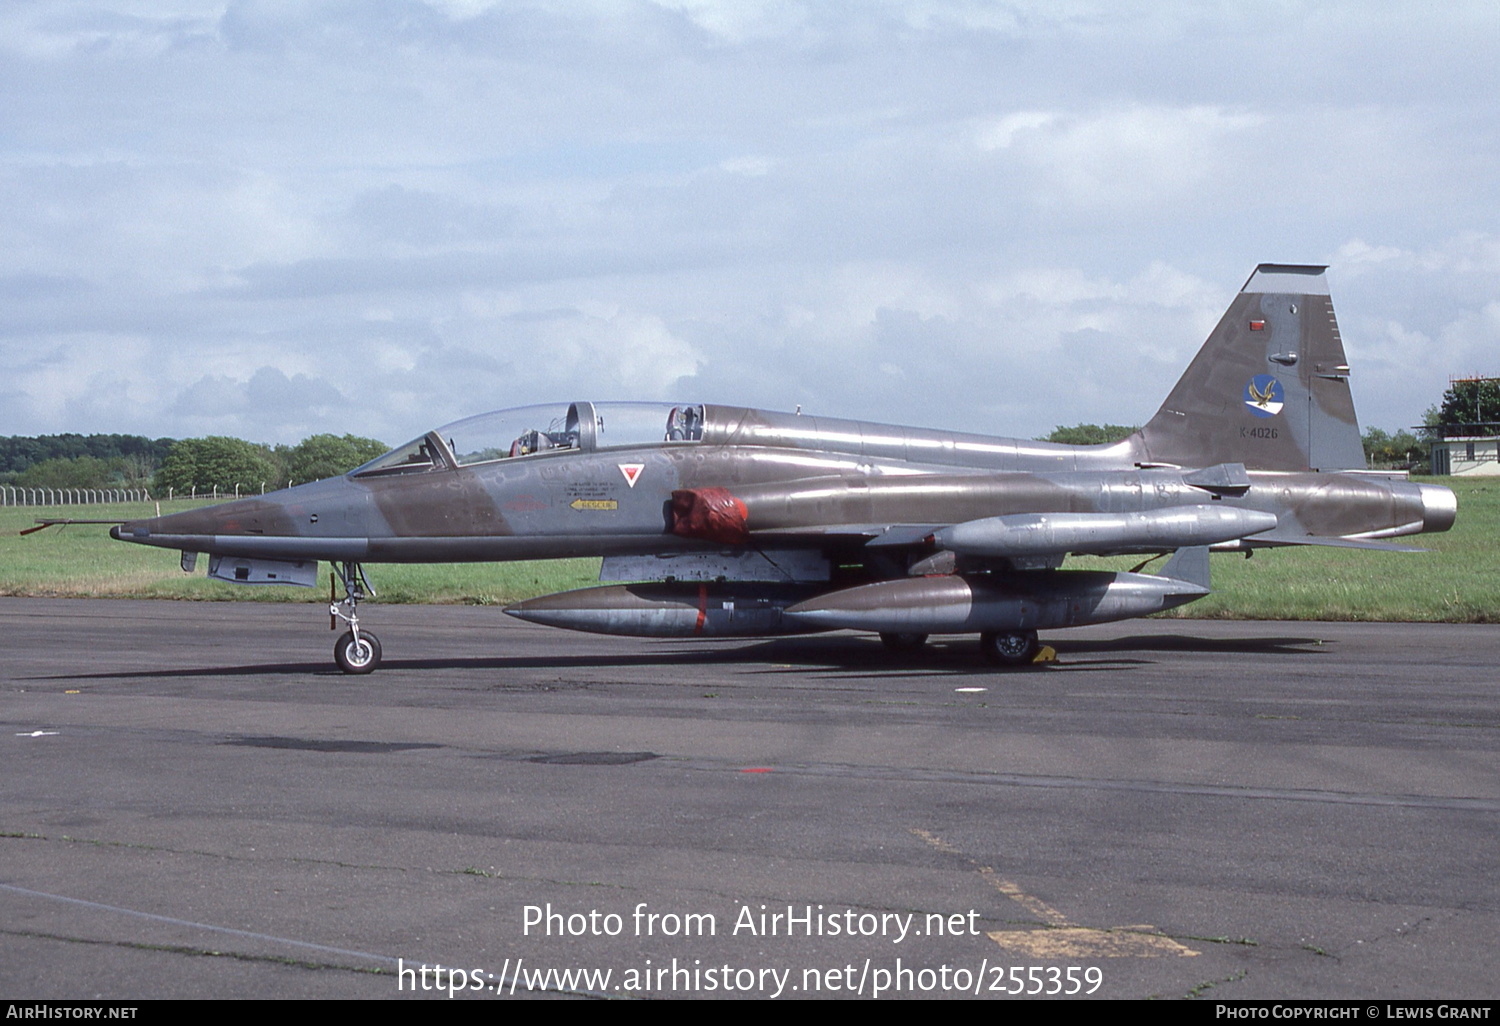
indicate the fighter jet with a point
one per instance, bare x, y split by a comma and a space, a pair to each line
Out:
736, 522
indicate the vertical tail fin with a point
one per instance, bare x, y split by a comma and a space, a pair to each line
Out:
1270, 387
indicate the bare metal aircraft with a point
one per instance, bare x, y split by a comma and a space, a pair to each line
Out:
750, 523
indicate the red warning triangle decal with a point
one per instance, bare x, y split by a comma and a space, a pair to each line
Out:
632, 472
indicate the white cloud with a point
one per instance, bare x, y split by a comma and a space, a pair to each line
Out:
1356, 252
754, 167
633, 355
1001, 133
1124, 157
959, 212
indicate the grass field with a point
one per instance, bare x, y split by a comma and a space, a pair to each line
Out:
1458, 580
82, 561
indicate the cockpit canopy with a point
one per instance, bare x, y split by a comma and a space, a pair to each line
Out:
532, 430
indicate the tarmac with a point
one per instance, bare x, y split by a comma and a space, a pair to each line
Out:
196, 804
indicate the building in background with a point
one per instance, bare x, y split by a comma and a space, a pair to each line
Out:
1466, 440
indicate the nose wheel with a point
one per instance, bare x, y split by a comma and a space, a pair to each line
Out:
357, 651
357, 654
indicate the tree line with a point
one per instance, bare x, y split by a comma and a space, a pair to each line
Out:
1384, 450
167, 465
173, 466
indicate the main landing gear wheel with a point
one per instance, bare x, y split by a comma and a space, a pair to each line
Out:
1009, 648
360, 656
903, 641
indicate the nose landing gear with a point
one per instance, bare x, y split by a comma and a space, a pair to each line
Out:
357, 651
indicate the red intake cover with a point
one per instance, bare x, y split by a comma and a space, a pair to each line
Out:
710, 513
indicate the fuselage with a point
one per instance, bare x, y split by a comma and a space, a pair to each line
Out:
493, 488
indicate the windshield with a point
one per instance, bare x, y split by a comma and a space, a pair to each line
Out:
415, 457
530, 430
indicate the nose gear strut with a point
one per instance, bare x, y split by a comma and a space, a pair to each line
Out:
357, 651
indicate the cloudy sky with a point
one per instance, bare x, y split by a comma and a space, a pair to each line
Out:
269, 218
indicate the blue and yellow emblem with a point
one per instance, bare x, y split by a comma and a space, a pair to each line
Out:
1264, 395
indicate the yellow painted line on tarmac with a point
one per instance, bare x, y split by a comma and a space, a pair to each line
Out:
1036, 906
1059, 938
1090, 942
936, 841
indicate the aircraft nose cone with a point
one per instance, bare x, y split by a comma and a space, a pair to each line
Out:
1439, 507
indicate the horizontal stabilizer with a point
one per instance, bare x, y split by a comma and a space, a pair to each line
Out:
1190, 565
1341, 543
